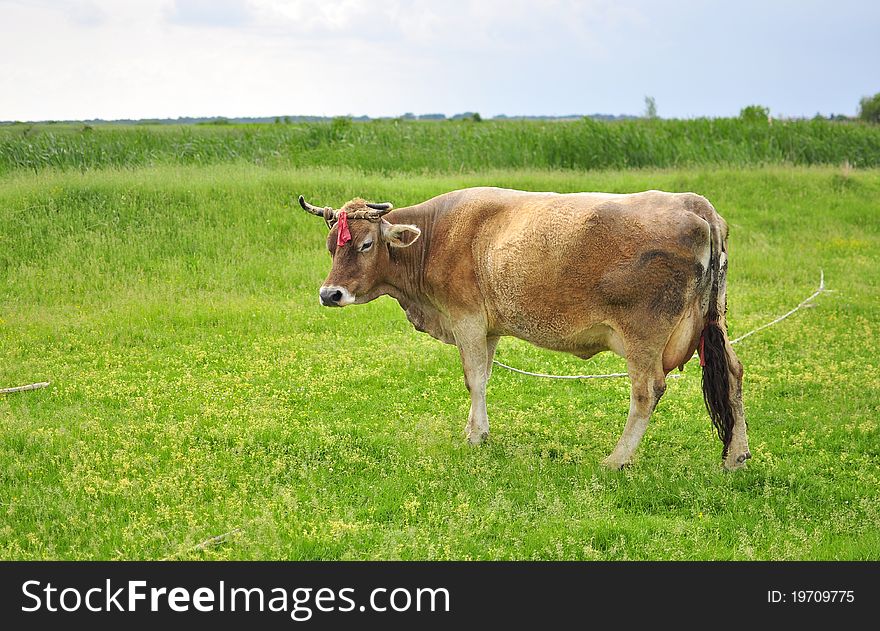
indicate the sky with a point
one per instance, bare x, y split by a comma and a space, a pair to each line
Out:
84, 59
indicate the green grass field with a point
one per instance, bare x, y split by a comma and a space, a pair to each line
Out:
198, 388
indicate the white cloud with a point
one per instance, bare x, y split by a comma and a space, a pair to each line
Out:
158, 58
228, 13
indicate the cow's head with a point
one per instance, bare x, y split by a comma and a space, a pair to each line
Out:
359, 242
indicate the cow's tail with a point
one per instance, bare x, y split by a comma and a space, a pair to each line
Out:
713, 342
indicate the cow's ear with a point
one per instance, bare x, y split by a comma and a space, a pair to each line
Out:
399, 235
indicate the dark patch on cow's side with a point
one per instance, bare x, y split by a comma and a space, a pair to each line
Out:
657, 280
668, 297
617, 287
651, 255
667, 277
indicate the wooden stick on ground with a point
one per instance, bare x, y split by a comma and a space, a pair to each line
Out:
31, 386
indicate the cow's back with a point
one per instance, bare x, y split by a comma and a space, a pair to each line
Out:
551, 268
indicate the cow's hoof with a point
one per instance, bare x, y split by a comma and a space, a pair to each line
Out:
477, 438
732, 463
614, 465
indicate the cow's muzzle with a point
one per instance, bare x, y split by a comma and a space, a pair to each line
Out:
334, 296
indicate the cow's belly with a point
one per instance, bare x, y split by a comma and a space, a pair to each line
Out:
575, 330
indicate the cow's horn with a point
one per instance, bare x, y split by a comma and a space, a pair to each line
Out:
385, 206
379, 209
327, 213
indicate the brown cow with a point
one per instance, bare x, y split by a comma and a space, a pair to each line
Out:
642, 275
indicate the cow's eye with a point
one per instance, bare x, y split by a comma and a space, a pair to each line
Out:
366, 246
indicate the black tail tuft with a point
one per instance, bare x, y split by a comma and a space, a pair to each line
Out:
716, 369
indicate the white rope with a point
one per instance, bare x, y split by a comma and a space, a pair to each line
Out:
540, 374
31, 386
804, 303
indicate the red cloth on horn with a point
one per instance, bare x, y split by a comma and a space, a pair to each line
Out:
343, 236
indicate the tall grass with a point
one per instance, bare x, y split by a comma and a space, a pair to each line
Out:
390, 146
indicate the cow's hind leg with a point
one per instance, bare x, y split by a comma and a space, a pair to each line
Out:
738, 452
648, 383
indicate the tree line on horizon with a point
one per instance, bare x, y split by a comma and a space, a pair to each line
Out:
868, 111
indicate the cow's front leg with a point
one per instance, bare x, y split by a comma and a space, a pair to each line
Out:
473, 347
